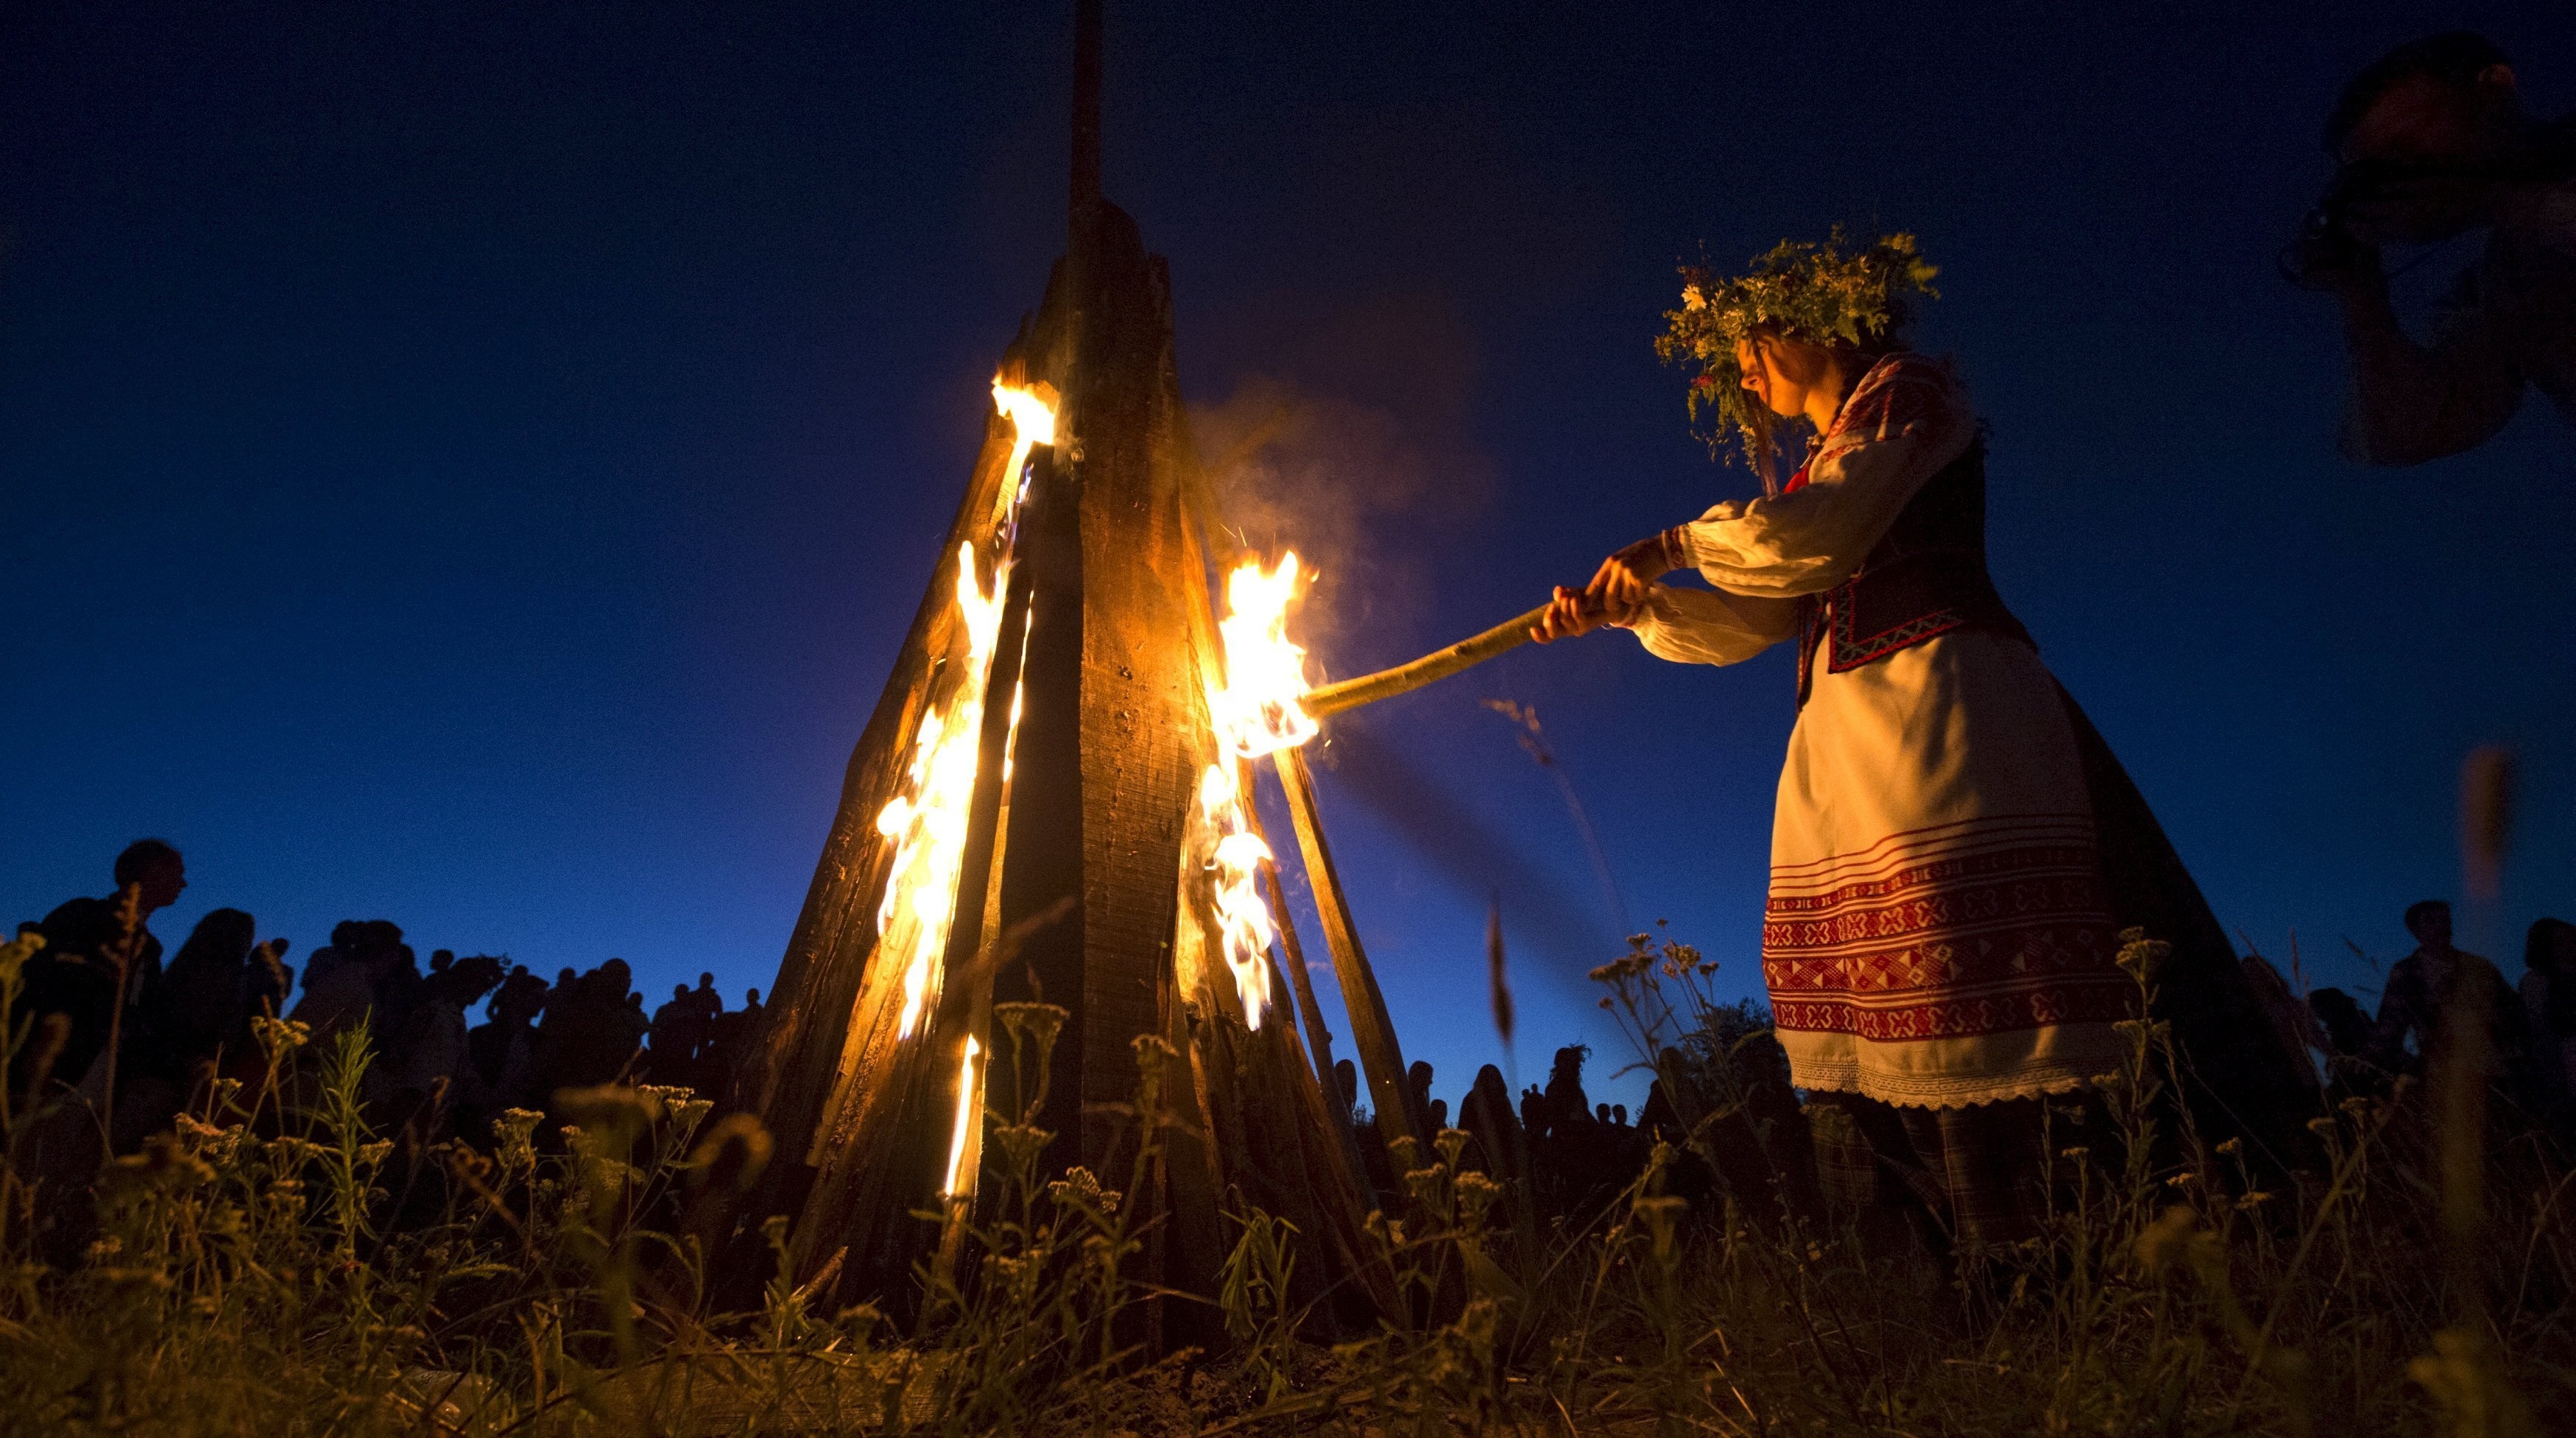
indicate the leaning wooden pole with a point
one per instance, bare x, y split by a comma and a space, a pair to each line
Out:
1300, 983
1330, 699
1372, 1032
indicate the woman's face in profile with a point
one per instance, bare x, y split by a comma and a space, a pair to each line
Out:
1773, 374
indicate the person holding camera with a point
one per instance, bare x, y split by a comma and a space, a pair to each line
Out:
2432, 142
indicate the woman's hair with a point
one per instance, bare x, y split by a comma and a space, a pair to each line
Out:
1759, 427
1853, 302
2546, 948
223, 936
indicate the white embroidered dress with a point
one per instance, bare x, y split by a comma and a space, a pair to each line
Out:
1937, 933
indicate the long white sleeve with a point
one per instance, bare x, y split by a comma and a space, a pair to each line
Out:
1905, 420
1697, 626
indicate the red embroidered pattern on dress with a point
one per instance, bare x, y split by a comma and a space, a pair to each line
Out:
1899, 393
1953, 931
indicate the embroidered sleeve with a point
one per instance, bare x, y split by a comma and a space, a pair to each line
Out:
1905, 420
1696, 626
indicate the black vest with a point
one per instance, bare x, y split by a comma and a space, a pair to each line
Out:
1926, 576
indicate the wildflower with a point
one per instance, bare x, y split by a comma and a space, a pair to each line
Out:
732, 1156
1081, 1186
1477, 1195
164, 1163
1038, 1023
1659, 1215
2141, 956
2166, 1241
280, 1037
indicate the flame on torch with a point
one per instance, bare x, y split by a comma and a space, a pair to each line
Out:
927, 820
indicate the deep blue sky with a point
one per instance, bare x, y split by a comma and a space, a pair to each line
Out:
473, 464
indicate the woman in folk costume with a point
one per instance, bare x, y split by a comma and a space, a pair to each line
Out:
1954, 852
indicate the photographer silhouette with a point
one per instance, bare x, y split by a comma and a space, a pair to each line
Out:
2432, 142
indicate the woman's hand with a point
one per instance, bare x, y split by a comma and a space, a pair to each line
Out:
1617, 593
1574, 611
1620, 585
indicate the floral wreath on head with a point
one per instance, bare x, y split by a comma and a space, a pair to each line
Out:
1819, 293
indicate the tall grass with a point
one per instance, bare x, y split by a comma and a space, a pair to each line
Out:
278, 1265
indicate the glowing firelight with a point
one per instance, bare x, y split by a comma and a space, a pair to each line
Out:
1241, 916
965, 1130
927, 820
1257, 711
1032, 415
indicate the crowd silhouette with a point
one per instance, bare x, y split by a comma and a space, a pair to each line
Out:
136, 1042
140, 1041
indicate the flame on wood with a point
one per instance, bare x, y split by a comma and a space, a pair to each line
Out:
1258, 711
970, 1101
1236, 855
926, 819
1255, 712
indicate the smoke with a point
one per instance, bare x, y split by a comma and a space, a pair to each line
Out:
1355, 450
1464, 849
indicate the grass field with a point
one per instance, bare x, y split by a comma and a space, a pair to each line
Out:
277, 1266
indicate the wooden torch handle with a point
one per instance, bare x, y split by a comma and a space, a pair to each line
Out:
1511, 634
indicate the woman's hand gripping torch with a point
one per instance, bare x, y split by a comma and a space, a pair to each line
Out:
1616, 595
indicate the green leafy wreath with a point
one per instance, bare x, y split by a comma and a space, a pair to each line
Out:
1819, 293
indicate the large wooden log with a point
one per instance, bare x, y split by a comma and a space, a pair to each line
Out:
802, 1059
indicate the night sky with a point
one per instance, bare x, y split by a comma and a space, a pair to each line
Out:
473, 464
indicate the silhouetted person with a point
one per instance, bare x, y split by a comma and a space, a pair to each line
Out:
364, 983
679, 1031
1534, 1115
2293, 1026
2346, 1025
439, 1064
75, 975
1500, 1147
1346, 1082
590, 1037
1417, 1084
504, 1050
2433, 142
2549, 1002
730, 1036
2438, 982
2345, 1030
1567, 1105
198, 1009
1658, 1117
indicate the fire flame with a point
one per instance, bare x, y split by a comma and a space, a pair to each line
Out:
927, 821
1032, 415
1241, 916
1257, 712
967, 1107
